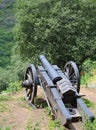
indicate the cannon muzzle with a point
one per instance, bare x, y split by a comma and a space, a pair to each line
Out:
54, 76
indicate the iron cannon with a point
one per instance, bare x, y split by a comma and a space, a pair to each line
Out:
61, 89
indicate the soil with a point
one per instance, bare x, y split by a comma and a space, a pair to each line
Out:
16, 114
90, 93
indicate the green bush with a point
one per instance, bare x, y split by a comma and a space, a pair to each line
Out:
9, 80
63, 30
3, 79
3, 85
88, 71
7, 21
14, 86
85, 78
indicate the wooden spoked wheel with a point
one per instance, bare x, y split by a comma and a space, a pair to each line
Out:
31, 76
72, 73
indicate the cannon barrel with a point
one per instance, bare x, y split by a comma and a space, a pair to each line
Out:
52, 73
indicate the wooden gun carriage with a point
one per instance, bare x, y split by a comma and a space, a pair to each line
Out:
60, 88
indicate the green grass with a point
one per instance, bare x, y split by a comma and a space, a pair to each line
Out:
7, 128
88, 75
14, 86
35, 126
11, 88
28, 127
85, 78
6, 97
3, 102
89, 78
21, 102
4, 107
89, 103
54, 124
88, 125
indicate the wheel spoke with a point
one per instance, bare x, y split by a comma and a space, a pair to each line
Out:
72, 73
31, 91
28, 75
73, 81
30, 95
70, 69
67, 71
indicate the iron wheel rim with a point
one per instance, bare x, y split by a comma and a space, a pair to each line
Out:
72, 73
31, 92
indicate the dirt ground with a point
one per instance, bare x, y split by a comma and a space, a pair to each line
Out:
16, 114
90, 93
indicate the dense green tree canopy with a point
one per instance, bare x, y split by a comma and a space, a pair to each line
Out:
61, 29
7, 21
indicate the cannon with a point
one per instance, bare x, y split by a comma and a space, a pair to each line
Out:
61, 89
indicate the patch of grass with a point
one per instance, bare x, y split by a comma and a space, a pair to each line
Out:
3, 102
4, 107
85, 78
22, 99
88, 77
53, 124
47, 110
89, 103
14, 86
5, 97
22, 103
7, 128
36, 126
88, 125
92, 80
29, 127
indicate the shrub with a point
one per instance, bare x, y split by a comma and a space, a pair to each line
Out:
63, 30
14, 86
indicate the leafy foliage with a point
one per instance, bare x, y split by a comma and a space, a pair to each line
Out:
9, 79
63, 30
14, 86
6, 37
88, 72
18, 66
3, 79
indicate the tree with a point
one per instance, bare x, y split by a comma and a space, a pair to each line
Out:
62, 30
